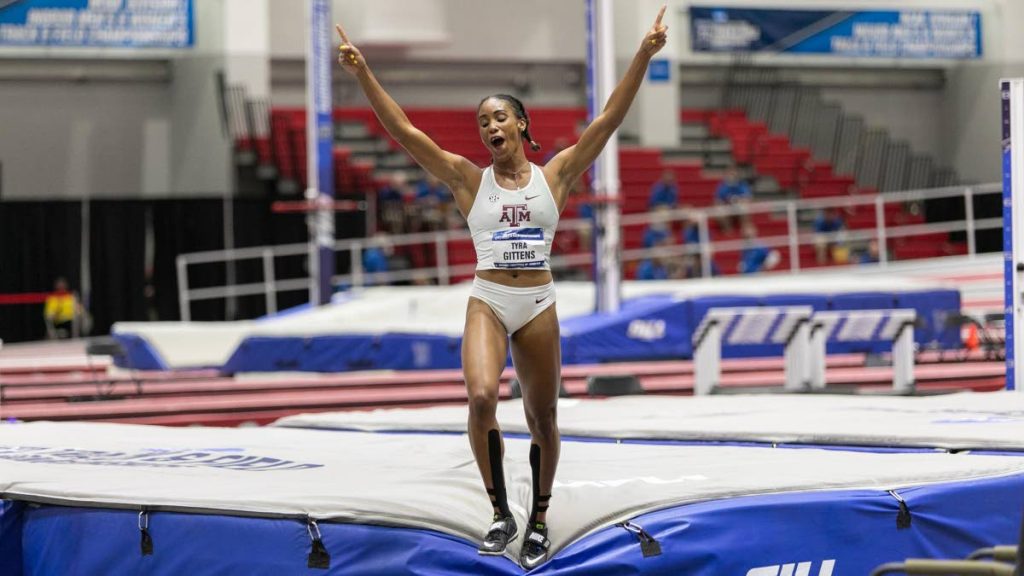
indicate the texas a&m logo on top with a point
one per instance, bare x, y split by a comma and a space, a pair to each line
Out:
514, 214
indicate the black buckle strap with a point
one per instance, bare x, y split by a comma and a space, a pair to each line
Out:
648, 545
538, 538
506, 528
903, 518
318, 558
146, 543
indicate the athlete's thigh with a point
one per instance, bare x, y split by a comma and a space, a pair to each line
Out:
537, 356
484, 347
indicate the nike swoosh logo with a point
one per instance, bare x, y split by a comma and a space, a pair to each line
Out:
539, 300
532, 197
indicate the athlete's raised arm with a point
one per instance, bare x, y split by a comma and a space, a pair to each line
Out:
565, 168
458, 173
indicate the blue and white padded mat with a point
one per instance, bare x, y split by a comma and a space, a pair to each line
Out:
963, 421
237, 501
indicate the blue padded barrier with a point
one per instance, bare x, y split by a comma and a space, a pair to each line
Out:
934, 308
861, 301
822, 531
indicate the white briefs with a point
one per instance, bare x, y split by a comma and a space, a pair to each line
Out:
514, 306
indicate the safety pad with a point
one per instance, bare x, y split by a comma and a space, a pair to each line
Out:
963, 421
421, 509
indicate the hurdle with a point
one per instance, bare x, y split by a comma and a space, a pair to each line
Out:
788, 325
805, 334
853, 326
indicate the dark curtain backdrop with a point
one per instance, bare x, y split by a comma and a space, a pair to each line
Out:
117, 233
985, 206
40, 241
180, 227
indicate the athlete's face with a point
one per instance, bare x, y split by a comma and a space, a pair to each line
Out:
500, 129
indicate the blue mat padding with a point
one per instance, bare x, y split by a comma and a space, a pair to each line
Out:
345, 353
646, 328
11, 520
855, 530
852, 531
139, 353
934, 309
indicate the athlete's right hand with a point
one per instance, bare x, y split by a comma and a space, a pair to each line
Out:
349, 57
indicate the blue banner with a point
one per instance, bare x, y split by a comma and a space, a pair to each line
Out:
952, 34
97, 23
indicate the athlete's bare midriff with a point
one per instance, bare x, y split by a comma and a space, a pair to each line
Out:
516, 278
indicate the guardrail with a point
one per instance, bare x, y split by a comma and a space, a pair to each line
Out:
443, 273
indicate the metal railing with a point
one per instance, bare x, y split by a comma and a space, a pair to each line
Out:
443, 272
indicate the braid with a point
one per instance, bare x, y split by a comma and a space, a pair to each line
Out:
520, 111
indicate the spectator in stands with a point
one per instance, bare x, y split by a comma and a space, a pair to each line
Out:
733, 191
375, 259
868, 255
391, 198
660, 267
660, 227
651, 269
433, 201
584, 211
756, 257
61, 311
691, 230
430, 188
664, 192
827, 245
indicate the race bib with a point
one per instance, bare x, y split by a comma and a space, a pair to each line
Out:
518, 248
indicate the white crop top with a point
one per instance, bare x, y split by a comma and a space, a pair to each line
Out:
513, 228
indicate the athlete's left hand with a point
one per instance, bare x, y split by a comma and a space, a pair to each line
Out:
655, 38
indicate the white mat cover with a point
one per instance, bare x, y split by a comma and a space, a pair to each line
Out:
427, 481
962, 421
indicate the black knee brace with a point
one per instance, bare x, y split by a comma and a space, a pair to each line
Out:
499, 498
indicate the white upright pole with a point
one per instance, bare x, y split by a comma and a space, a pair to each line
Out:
319, 149
1012, 94
601, 83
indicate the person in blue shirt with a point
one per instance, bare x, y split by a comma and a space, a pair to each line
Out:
733, 191
826, 224
651, 269
659, 229
664, 192
868, 255
433, 201
431, 189
376, 260
756, 257
660, 267
391, 204
691, 232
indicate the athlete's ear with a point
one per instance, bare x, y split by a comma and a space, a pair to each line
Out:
522, 124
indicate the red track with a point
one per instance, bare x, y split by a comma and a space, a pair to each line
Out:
201, 398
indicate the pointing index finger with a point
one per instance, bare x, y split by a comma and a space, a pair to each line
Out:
657, 21
341, 32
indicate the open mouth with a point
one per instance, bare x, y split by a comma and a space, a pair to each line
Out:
497, 141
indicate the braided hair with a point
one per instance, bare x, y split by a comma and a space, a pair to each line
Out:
520, 112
